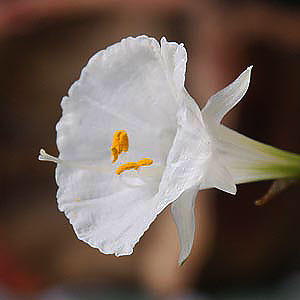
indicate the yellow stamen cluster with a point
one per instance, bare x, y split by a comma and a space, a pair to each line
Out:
134, 165
119, 144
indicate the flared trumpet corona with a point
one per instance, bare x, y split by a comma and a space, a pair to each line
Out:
131, 141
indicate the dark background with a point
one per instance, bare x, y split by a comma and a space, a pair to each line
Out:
241, 251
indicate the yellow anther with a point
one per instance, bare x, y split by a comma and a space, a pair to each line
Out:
119, 144
127, 166
123, 138
145, 162
134, 165
114, 154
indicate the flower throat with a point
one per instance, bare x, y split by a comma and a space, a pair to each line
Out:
120, 144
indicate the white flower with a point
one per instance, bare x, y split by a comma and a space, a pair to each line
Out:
137, 86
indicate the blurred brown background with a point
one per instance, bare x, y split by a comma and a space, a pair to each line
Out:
239, 248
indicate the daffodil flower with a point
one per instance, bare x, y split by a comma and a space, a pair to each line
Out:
131, 141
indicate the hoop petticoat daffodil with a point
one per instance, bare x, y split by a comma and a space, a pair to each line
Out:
130, 107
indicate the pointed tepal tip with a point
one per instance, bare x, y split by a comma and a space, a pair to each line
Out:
232, 190
227, 186
245, 77
248, 71
182, 261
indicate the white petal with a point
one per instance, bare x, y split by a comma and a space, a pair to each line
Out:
183, 214
223, 101
127, 86
218, 176
110, 216
188, 157
175, 58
